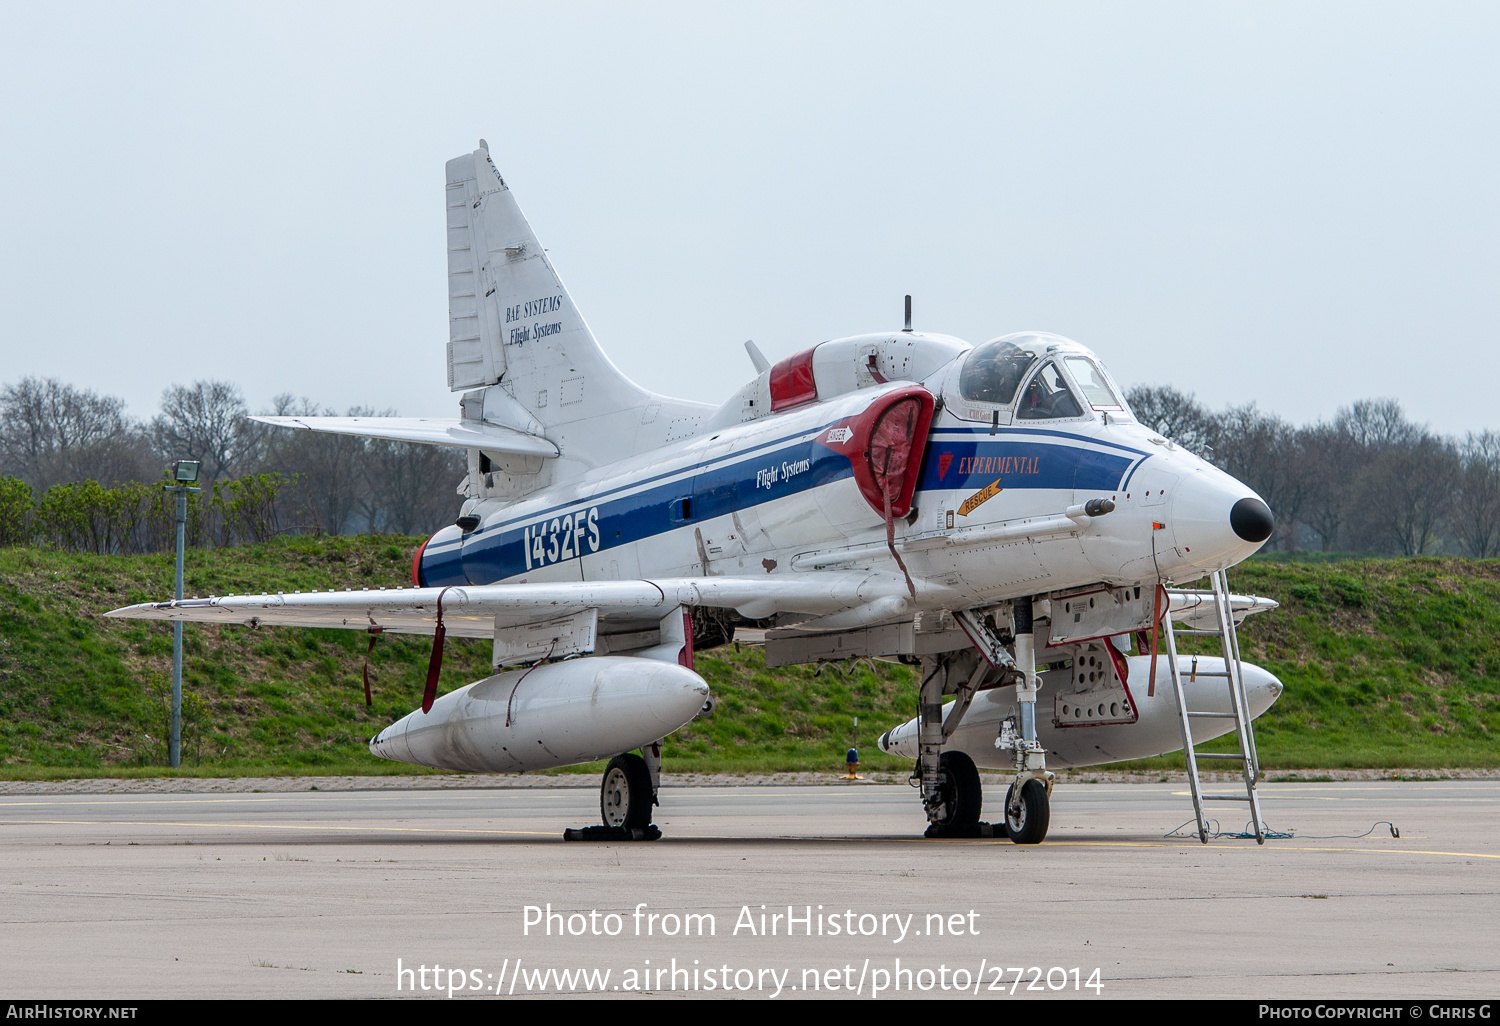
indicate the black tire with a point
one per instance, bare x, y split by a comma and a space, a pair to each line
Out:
625, 793
1029, 824
960, 791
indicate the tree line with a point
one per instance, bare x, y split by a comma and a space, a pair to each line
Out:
1369, 480
77, 472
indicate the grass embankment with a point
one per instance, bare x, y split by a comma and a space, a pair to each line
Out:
1387, 664
81, 695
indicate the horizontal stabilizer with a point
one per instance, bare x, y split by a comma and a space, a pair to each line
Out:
463, 434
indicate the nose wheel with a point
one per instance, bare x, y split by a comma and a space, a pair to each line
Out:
1027, 812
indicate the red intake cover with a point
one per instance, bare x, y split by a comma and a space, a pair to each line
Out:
884, 445
416, 565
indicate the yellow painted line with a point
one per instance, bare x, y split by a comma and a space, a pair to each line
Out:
1280, 791
1353, 798
722, 837
1389, 785
747, 793
293, 797
758, 792
1201, 847
278, 826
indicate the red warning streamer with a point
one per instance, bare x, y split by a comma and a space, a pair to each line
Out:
373, 632
435, 662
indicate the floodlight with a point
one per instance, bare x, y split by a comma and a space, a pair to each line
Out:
187, 471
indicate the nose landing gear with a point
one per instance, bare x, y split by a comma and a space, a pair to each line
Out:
951, 791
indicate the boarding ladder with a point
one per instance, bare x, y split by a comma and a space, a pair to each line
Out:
1234, 679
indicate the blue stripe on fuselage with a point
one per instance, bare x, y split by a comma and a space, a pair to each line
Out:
624, 514
686, 470
946, 432
1016, 464
597, 524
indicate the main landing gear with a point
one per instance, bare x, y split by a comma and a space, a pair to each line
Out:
626, 797
960, 800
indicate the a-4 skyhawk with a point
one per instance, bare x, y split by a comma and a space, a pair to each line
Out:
991, 514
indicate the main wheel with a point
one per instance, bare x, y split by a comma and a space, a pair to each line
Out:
1028, 824
960, 795
625, 796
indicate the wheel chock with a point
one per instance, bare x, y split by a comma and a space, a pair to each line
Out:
609, 833
970, 830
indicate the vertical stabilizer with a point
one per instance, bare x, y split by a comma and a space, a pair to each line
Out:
512, 322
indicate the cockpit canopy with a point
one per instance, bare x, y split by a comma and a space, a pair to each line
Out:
992, 372
1031, 376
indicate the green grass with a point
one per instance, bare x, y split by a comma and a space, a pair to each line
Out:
84, 696
1388, 663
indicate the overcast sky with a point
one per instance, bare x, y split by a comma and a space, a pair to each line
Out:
1294, 204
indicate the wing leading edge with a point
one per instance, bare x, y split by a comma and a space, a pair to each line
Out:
477, 611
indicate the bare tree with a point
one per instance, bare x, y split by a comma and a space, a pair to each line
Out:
1406, 493
52, 433
1333, 462
205, 422
1377, 424
411, 488
1173, 414
1267, 454
330, 468
1476, 503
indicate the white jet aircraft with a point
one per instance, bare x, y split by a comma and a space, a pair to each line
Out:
991, 514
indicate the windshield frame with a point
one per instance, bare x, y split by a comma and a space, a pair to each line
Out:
1118, 406
1055, 361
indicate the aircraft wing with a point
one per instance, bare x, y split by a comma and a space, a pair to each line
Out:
465, 434
476, 611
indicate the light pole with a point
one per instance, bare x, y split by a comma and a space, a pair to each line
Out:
186, 474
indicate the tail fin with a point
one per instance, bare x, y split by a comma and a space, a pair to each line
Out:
512, 322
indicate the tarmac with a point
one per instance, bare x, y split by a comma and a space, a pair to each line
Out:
124, 890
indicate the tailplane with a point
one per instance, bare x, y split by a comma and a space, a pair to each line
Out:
514, 328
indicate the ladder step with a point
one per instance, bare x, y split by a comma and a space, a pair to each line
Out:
1205, 634
1226, 797
1211, 715
1217, 755
1205, 673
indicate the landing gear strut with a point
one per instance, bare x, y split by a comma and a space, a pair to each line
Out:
951, 792
1027, 806
626, 795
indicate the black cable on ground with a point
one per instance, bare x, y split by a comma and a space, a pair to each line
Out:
1279, 835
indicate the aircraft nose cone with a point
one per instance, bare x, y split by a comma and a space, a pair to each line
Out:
1252, 520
